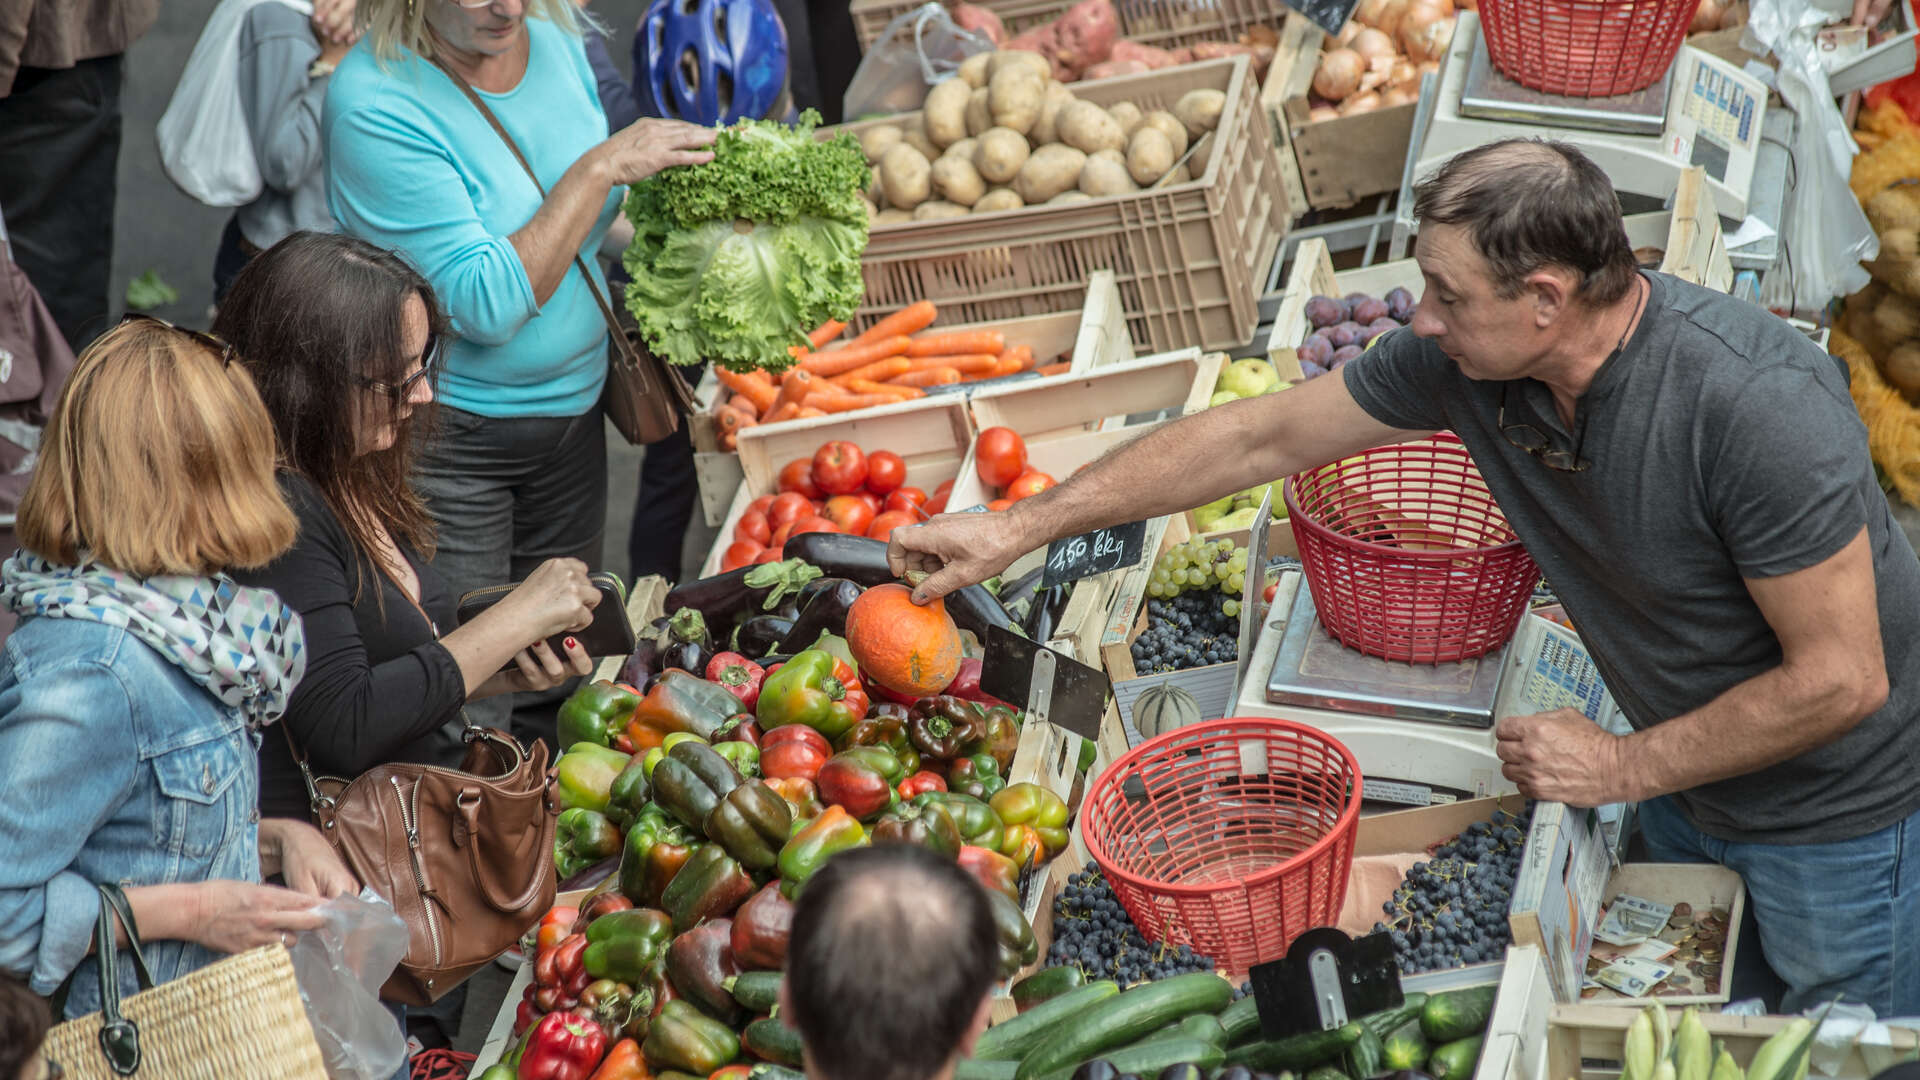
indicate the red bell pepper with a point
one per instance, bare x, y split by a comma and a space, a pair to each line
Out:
525, 1015
563, 1047
553, 928
739, 676
992, 869
1023, 845
857, 701
623, 1063
793, 752
761, 929
920, 783
800, 794
861, 779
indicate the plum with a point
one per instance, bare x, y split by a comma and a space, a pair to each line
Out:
1400, 305
1380, 326
1354, 298
1325, 311
1309, 369
1368, 310
1341, 356
1344, 334
1316, 350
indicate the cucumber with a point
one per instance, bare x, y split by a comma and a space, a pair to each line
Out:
1011, 1040
975, 1069
1405, 1047
1124, 1018
1200, 1026
1147, 1058
1455, 1060
756, 991
1302, 1051
1328, 1072
771, 1039
1045, 984
1456, 1014
1364, 1056
1242, 1020
1387, 1021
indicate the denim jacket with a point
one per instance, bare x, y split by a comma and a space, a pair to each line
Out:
116, 767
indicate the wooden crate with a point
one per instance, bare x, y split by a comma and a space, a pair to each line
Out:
1167, 24
1584, 1042
1337, 162
645, 602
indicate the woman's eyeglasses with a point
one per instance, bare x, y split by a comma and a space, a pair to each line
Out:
429, 357
213, 342
1536, 442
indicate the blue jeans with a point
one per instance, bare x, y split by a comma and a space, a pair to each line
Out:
399, 1012
1835, 918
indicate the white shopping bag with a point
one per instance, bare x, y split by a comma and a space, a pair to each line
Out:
205, 147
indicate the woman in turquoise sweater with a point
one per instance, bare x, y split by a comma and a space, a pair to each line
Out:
516, 474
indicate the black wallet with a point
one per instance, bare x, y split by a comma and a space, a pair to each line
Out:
611, 633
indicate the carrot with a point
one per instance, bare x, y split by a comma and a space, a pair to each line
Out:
858, 401
808, 412
761, 394
1023, 354
793, 391
842, 360
1060, 368
938, 376
741, 404
786, 410
911, 319
958, 343
728, 422
974, 364
828, 331
729, 440
1008, 363
868, 386
878, 371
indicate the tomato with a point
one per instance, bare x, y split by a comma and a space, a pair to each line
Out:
814, 524
754, 526
761, 503
883, 526
739, 554
772, 554
839, 468
998, 505
851, 513
935, 505
1031, 483
886, 471
907, 499
999, 456
797, 475
1272, 587
790, 507
945, 486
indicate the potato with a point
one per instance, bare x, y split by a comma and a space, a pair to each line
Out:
872, 212
956, 181
1048, 172
1047, 128
1089, 128
1014, 98
1202, 153
938, 208
1103, 177
876, 190
906, 175
1181, 175
1170, 126
1127, 115
1066, 197
1006, 58
1200, 110
914, 134
1149, 155
1112, 156
890, 216
979, 116
963, 149
878, 141
974, 69
999, 199
1001, 153
945, 111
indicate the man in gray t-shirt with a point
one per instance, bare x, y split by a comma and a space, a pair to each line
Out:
1690, 474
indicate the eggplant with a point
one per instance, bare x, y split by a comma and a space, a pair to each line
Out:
974, 608
644, 662
1020, 595
761, 634
859, 559
1048, 607
685, 643
825, 613
725, 600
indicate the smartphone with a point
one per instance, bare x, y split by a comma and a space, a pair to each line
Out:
611, 633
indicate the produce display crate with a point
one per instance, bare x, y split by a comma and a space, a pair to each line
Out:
500, 1035
1337, 162
1585, 1042
645, 602
1168, 24
1688, 236
1190, 259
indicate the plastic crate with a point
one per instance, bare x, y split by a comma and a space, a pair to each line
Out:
1168, 24
1190, 259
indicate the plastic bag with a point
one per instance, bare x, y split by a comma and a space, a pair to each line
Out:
340, 968
205, 146
1825, 232
915, 51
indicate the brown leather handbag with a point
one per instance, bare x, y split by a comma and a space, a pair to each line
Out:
465, 855
644, 397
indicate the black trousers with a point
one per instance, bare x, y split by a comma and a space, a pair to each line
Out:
59, 152
663, 510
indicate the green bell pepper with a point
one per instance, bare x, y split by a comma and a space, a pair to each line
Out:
691, 780
627, 946
683, 1037
586, 774
888, 731
752, 823
1088, 752
629, 794
596, 713
928, 826
656, 848
999, 735
804, 691
680, 702
654, 756
710, 886
832, 832
743, 756
1031, 804
977, 775
582, 837
1017, 945
977, 822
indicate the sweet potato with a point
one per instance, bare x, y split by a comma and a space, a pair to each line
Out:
1153, 57
1109, 69
979, 20
1215, 50
1084, 36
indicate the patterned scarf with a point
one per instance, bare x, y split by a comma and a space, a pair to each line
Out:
243, 645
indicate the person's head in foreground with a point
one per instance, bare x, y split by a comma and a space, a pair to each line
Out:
890, 963
24, 1020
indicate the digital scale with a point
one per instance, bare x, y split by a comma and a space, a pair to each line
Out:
1706, 112
1423, 733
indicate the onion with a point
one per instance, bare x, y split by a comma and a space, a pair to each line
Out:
1397, 95
1425, 33
1404, 73
1390, 16
1736, 15
1706, 17
1426, 66
1322, 112
1372, 45
1360, 103
1340, 40
1339, 74
1369, 12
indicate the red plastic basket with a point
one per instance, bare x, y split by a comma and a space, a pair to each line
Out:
1585, 48
1407, 554
1233, 836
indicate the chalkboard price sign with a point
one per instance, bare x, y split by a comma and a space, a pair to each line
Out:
1328, 15
1097, 552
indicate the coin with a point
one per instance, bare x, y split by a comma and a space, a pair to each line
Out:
1710, 972
1710, 953
1682, 916
1590, 992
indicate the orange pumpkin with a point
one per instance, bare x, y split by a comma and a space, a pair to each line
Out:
903, 646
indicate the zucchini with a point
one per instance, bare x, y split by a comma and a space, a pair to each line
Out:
1456, 1014
1242, 1020
1147, 1058
1364, 1056
1045, 984
1010, 1041
1387, 1021
1124, 1018
756, 991
1455, 1060
1328, 1072
1302, 1051
1405, 1047
770, 1039
975, 1069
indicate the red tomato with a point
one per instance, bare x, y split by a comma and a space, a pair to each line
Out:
772, 554
935, 505
1272, 587
883, 526
754, 526
945, 486
739, 554
908, 499
999, 456
851, 513
790, 507
886, 470
874, 502
1030, 483
761, 503
839, 468
998, 505
814, 524
797, 475
780, 535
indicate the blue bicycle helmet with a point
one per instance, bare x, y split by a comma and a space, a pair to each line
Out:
712, 62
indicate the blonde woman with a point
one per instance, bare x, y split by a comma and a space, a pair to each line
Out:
517, 474
132, 692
